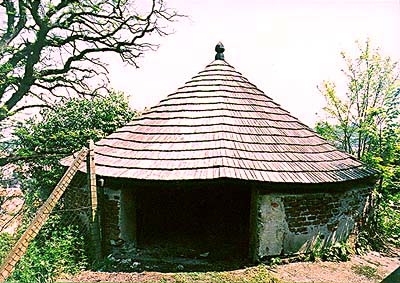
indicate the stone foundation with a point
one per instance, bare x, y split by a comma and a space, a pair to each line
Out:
289, 223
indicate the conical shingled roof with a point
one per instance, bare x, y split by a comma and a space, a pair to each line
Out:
219, 125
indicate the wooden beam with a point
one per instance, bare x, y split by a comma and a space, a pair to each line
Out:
94, 220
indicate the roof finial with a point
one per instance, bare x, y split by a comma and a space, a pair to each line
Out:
219, 48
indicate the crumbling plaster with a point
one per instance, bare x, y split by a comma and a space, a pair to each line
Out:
289, 223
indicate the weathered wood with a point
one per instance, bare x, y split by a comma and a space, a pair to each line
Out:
218, 119
95, 219
41, 217
253, 225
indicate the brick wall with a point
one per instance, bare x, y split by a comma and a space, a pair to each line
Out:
302, 217
281, 224
110, 220
331, 216
303, 211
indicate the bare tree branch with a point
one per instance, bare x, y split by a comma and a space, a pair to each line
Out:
48, 47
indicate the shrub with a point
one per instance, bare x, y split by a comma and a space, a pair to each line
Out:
6, 243
54, 251
320, 250
340, 251
390, 219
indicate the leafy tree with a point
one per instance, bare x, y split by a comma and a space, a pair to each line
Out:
358, 120
64, 129
38, 144
52, 48
365, 123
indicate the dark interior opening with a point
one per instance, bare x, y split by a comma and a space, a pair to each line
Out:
192, 219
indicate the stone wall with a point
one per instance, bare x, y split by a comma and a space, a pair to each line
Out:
118, 219
280, 223
110, 206
289, 223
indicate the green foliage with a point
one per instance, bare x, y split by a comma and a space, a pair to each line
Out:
56, 250
6, 243
330, 132
365, 123
364, 243
389, 219
254, 274
41, 142
63, 130
315, 249
339, 251
366, 271
319, 249
275, 261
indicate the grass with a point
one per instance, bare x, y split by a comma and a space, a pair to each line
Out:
255, 274
366, 271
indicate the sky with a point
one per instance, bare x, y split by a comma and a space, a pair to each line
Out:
286, 48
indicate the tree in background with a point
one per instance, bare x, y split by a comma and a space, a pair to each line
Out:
38, 144
49, 48
365, 123
64, 129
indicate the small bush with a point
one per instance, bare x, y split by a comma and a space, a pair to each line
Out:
340, 251
314, 251
275, 261
320, 250
381, 230
363, 242
52, 253
6, 243
390, 219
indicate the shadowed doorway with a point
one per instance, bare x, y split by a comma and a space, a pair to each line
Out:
194, 218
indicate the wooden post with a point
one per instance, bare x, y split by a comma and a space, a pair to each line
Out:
254, 219
94, 219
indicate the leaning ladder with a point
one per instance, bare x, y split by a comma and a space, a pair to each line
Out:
42, 215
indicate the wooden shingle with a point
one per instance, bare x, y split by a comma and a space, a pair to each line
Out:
219, 125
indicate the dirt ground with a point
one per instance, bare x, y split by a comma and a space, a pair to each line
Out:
370, 268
